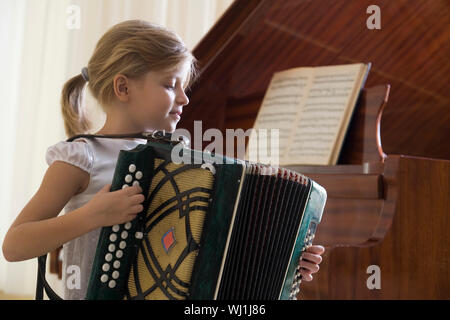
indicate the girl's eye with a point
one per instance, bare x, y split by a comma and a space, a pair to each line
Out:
170, 87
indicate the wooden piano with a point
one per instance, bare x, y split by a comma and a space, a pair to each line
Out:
388, 196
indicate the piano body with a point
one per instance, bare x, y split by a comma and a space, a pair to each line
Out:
388, 196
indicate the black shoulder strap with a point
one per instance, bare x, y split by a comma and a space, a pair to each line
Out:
154, 136
151, 135
42, 283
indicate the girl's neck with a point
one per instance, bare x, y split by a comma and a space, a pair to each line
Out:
118, 123
108, 129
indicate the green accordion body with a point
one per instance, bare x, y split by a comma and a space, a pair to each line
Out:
212, 228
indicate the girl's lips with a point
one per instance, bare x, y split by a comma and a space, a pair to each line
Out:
176, 115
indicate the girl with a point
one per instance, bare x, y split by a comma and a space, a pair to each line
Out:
138, 73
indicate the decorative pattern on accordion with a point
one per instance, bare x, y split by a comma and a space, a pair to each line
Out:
179, 197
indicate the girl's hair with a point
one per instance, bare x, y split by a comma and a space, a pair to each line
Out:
132, 48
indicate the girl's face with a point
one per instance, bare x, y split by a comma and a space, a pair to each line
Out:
156, 101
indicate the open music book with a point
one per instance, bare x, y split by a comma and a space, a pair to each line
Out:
311, 107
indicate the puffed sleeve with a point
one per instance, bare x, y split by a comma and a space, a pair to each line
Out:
76, 153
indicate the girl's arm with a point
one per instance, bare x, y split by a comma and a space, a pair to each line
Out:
38, 229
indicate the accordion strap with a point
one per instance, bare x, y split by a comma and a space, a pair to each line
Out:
151, 135
42, 283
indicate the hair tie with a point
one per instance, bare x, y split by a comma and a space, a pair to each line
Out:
84, 73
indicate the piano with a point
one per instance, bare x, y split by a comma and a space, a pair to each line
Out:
388, 196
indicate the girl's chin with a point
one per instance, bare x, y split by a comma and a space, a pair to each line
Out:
170, 127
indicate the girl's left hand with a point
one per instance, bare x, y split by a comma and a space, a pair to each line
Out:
309, 264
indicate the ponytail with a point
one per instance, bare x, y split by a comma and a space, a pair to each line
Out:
72, 107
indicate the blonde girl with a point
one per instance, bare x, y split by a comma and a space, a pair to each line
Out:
138, 73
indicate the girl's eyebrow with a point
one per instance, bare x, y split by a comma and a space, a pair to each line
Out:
167, 78
170, 76
167, 75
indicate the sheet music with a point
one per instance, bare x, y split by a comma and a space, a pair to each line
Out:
322, 115
280, 108
311, 107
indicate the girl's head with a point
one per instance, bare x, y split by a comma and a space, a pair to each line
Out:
138, 73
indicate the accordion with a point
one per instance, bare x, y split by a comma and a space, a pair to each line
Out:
228, 229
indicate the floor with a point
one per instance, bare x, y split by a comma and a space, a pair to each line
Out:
5, 296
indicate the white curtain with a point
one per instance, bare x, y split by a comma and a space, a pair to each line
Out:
44, 42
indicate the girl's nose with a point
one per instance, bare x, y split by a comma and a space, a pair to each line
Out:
182, 98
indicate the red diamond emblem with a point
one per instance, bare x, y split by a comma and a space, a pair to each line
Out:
168, 240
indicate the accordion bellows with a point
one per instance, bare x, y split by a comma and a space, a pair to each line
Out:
208, 230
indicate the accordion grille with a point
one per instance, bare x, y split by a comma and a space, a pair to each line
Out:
179, 197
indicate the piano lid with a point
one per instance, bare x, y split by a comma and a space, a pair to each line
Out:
254, 39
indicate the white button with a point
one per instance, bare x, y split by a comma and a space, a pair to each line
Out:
108, 257
125, 186
115, 228
112, 284
119, 254
138, 175
116, 264
128, 225
128, 178
139, 235
105, 267
132, 168
122, 244
113, 237
124, 234
111, 247
104, 278
136, 183
115, 274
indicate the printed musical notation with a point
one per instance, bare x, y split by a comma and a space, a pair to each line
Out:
279, 108
311, 107
321, 116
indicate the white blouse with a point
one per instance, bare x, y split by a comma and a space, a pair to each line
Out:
98, 157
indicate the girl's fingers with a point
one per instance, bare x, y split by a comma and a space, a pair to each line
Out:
316, 249
311, 267
315, 258
137, 208
132, 216
137, 198
307, 276
131, 190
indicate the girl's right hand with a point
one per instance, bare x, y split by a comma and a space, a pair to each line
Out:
109, 208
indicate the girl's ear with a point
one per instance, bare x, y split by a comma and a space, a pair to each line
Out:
123, 88
120, 86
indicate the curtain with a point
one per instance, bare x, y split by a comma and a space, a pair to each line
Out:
44, 43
